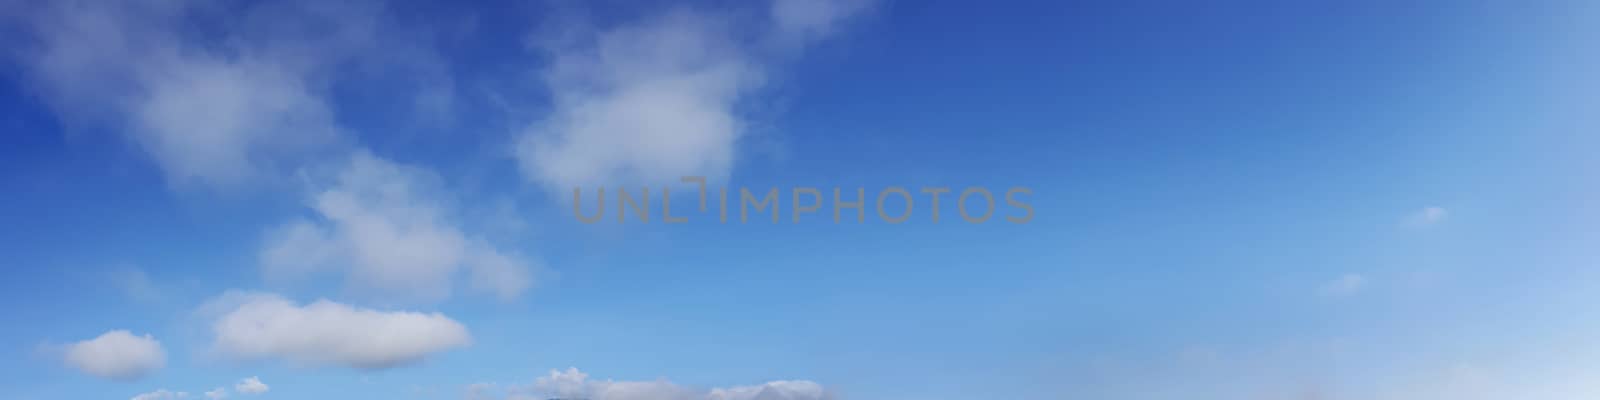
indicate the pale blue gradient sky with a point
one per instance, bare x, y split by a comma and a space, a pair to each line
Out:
1227, 200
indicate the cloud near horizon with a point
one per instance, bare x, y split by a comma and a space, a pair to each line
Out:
161, 394
251, 385
575, 384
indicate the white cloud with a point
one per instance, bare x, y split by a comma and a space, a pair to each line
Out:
392, 229
251, 385
1345, 285
217, 103
1427, 216
649, 102
776, 390
264, 326
656, 100
573, 383
161, 394
219, 112
117, 354
225, 121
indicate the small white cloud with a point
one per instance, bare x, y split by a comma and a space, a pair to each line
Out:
251, 385
161, 394
648, 102
217, 394
1427, 216
265, 326
117, 354
1346, 285
481, 391
573, 383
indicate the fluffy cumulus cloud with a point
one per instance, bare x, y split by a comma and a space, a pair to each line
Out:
251, 385
217, 394
116, 354
161, 394
264, 326
576, 384
391, 230
659, 99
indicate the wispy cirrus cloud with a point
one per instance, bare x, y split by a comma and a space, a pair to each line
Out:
1344, 285
574, 384
1427, 216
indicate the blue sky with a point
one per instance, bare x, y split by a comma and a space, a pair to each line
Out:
1236, 200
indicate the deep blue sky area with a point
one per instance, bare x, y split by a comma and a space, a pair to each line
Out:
1230, 200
